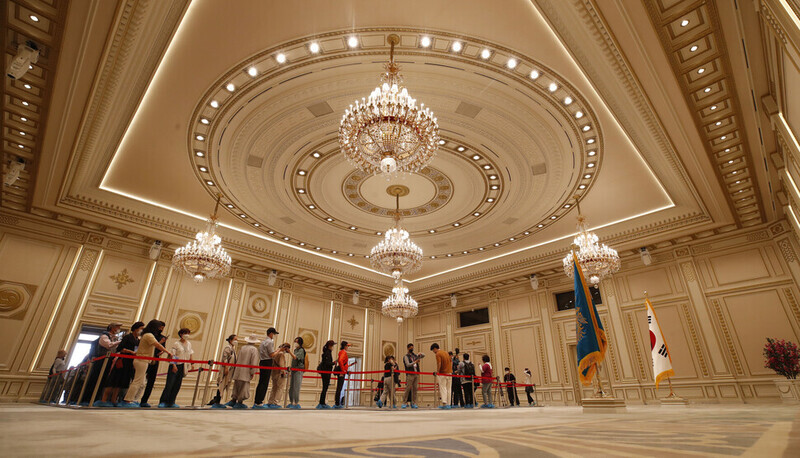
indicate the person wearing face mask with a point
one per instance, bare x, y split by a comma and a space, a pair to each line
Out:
105, 344
152, 369
148, 343
279, 377
122, 368
300, 362
181, 349
226, 373
511, 387
325, 364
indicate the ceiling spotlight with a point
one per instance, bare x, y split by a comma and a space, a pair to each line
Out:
214, 104
492, 177
496, 244
301, 191
352, 228
203, 169
534, 74
526, 233
693, 48
25, 103
210, 183
20, 146
476, 157
540, 225
730, 162
701, 70
587, 176
494, 186
592, 153
567, 100
379, 233
229, 205
567, 205
230, 87
485, 54
590, 141
425, 42
583, 186
552, 87
252, 71
329, 219
200, 138
490, 200
442, 142
461, 149
334, 251
723, 137
312, 206
22, 133
512, 239
281, 58
27, 86
480, 249
302, 244
456, 224
487, 167
432, 231
23, 119
553, 217
433, 257
199, 153
317, 248
476, 214
727, 150
448, 255
464, 252
586, 128
286, 238
34, 18
352, 41
313, 47
349, 254
204, 121
512, 63
708, 89
684, 23
242, 215
301, 172
591, 164
256, 225
456, 46
578, 114
316, 154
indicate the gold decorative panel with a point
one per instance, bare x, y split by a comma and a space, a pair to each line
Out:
193, 321
15, 298
310, 339
389, 349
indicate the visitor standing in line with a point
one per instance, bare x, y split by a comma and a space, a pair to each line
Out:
266, 352
242, 376
56, 381
152, 371
300, 363
487, 377
280, 377
148, 343
529, 386
325, 364
225, 372
511, 387
411, 364
467, 368
458, 396
389, 388
341, 366
122, 369
182, 350
444, 365
105, 344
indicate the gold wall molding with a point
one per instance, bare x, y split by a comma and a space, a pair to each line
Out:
723, 324
787, 250
636, 347
121, 279
695, 339
789, 293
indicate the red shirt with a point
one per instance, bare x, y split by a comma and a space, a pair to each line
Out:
342, 360
486, 369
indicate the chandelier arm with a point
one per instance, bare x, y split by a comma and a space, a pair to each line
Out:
216, 206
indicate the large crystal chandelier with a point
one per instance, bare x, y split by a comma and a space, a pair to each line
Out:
204, 257
396, 254
399, 305
596, 259
388, 132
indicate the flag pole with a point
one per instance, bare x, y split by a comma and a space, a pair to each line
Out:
669, 379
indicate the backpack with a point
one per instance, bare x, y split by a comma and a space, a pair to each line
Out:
469, 369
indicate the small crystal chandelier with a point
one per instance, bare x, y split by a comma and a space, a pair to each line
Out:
396, 254
399, 305
388, 132
596, 259
204, 257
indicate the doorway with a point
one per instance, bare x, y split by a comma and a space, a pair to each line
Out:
83, 345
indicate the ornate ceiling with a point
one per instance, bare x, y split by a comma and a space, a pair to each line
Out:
536, 104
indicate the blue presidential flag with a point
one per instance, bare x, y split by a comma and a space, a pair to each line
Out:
589, 331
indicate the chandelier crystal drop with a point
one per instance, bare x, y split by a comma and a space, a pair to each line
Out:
204, 256
399, 305
396, 254
596, 259
388, 132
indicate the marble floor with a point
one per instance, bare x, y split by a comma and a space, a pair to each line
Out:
744, 430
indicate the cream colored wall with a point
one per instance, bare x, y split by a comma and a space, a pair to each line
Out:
717, 300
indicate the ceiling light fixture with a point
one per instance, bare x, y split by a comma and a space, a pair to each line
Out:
684, 23
313, 47
586, 128
27, 86
316, 154
708, 89
200, 138
252, 71
230, 87
352, 42
281, 58
442, 142
203, 169
388, 132
512, 63
487, 167
476, 214
592, 153
578, 114
214, 104
199, 153
301, 172
485, 54
534, 74
701, 70
476, 157
553, 87
693, 48
204, 256
23, 119
597, 260
456, 224
567, 100
425, 41
456, 46
301, 191
713, 107
461, 149
34, 18
490, 200
204, 121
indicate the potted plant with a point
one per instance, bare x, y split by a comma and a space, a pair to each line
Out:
784, 358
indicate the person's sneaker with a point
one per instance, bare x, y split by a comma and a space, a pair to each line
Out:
239, 405
379, 404
490, 406
414, 406
145, 405
174, 406
326, 406
404, 406
484, 406
218, 406
273, 406
128, 405
102, 404
84, 404
259, 406
297, 407
338, 407
320, 406
162, 405
231, 403
443, 407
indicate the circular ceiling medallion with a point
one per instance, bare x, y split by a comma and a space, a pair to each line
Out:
397, 190
423, 193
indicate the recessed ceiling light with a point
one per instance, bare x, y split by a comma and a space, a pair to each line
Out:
586, 128
352, 228
461, 149
25, 103
20, 146
312, 206
713, 107
22, 133
352, 41
492, 177
230, 87
433, 257
476, 214
456, 46
701, 70
316, 154
229, 206
587, 176
512, 239
349, 254
30, 67
476, 157
199, 153
540, 225
534, 74
494, 186
432, 231
730, 162
496, 244
34, 18
526, 233
442, 142
286, 238
425, 42
738, 181
684, 23
23, 119
583, 186
718, 123
301, 191
281, 58
591, 164
567, 205
243, 215
313, 47
490, 200
456, 224
487, 167
708, 89
27, 86
301, 172
553, 217
567, 100
200, 137
727, 150
592, 153
552, 87
485, 54
578, 114
203, 169
256, 225
334, 251
723, 137
693, 48
448, 255
512, 63
590, 141
302, 244
214, 104
252, 71
210, 183
271, 232
464, 252
480, 249
379, 233
329, 219
204, 121
317, 248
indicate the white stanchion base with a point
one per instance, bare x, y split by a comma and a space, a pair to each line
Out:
603, 405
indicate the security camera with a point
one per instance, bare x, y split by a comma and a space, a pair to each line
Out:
453, 300
534, 281
155, 250
647, 259
27, 54
273, 277
13, 171
356, 293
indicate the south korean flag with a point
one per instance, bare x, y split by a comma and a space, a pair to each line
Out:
662, 362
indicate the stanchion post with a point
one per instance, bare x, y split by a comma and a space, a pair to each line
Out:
208, 380
74, 381
99, 381
391, 388
197, 385
371, 392
474, 400
346, 392
499, 392
286, 387
435, 390
60, 382
49, 387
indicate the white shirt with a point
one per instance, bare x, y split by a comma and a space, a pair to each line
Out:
106, 342
182, 350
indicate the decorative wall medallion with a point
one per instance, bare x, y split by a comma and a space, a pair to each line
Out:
388, 348
191, 320
121, 278
259, 305
15, 299
309, 339
353, 322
